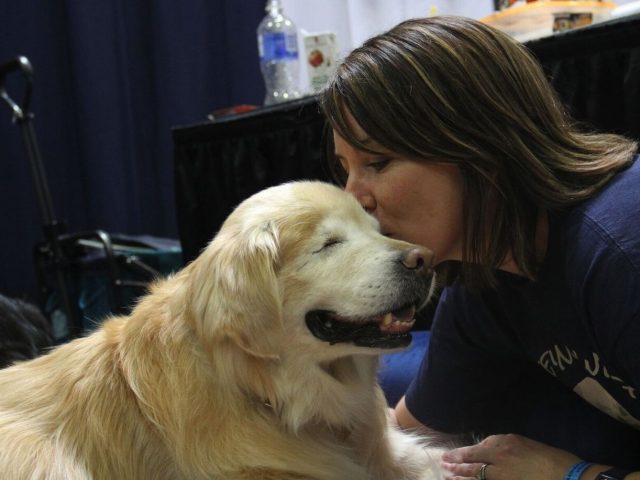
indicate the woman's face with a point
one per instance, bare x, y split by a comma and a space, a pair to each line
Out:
416, 201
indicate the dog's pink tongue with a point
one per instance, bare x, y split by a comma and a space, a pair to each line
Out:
398, 321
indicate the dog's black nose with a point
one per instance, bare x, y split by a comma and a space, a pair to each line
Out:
418, 258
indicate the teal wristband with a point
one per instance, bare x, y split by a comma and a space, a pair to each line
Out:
576, 470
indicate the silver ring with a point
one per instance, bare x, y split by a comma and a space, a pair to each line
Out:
482, 475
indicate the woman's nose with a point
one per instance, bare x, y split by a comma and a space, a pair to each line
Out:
363, 195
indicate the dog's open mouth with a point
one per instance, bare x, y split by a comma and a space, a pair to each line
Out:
388, 330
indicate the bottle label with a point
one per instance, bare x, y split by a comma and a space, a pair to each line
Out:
278, 46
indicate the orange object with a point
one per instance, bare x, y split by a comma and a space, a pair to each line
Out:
223, 112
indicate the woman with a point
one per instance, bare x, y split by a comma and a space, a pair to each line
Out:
447, 131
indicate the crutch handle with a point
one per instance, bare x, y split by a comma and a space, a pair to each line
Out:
21, 63
20, 112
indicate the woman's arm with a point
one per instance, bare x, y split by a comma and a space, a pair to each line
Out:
406, 421
511, 456
508, 456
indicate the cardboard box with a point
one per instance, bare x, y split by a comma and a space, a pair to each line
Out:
320, 56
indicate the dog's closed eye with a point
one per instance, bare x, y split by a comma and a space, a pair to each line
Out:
329, 242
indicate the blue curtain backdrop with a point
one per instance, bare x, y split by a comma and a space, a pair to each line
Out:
110, 80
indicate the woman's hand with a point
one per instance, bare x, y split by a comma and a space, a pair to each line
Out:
508, 457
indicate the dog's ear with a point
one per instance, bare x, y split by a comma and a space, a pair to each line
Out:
234, 291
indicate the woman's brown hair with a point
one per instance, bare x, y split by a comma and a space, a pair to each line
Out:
454, 90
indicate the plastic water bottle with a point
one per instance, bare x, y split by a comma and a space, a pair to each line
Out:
278, 48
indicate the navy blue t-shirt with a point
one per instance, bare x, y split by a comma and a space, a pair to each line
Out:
556, 359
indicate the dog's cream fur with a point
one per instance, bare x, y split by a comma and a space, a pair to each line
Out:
215, 375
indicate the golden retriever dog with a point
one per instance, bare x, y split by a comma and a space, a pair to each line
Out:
256, 361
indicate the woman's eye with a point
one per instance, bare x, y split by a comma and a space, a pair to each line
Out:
379, 164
